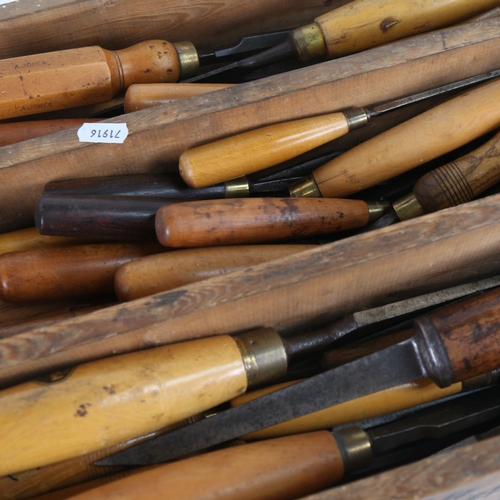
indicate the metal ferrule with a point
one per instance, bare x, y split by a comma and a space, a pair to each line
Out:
263, 354
481, 380
356, 118
408, 207
304, 188
188, 59
237, 188
355, 447
376, 209
309, 43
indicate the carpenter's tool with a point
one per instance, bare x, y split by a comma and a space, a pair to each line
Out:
455, 343
358, 26
258, 149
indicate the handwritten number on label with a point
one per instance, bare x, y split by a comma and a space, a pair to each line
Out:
103, 132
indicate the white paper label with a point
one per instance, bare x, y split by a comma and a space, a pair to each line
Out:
103, 132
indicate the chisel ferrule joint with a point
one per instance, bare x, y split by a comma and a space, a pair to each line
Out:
309, 43
355, 447
376, 209
357, 118
408, 207
304, 188
237, 188
263, 354
188, 59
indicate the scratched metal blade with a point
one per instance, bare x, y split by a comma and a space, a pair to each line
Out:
392, 366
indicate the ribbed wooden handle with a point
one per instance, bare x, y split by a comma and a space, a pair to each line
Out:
363, 24
461, 180
60, 273
255, 220
283, 468
112, 400
412, 143
78, 77
168, 270
258, 149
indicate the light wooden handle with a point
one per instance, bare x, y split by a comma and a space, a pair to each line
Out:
105, 402
412, 143
461, 180
255, 220
258, 149
168, 270
142, 96
77, 77
363, 24
283, 468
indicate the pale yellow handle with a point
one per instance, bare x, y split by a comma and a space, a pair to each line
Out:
112, 400
258, 149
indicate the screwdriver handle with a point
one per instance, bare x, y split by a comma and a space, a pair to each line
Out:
258, 149
287, 467
255, 220
78, 77
105, 402
461, 180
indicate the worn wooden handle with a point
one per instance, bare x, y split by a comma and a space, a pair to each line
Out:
254, 220
258, 149
412, 143
363, 24
78, 77
105, 402
158, 273
60, 273
461, 180
283, 468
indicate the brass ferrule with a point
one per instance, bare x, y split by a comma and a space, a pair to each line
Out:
356, 118
355, 447
309, 43
376, 209
263, 354
304, 188
408, 207
237, 188
188, 59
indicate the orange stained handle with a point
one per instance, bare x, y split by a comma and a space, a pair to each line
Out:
283, 468
254, 220
105, 402
167, 270
412, 143
78, 77
258, 149
142, 96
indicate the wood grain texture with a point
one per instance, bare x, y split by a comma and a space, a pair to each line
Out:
408, 259
158, 136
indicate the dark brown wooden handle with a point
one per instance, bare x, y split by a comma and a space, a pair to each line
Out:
254, 220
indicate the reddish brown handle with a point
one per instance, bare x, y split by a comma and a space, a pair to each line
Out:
254, 220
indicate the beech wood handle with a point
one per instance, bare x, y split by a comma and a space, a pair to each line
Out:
258, 149
414, 142
461, 180
60, 273
105, 402
254, 220
78, 77
283, 468
168, 270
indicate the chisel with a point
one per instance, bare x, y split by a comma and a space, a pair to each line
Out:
455, 343
360, 25
261, 148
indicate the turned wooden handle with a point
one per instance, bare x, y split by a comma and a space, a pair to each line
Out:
71, 271
158, 273
254, 220
363, 24
412, 143
105, 402
78, 77
258, 149
283, 468
461, 180
142, 96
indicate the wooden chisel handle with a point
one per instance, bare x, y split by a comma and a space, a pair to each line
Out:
284, 468
168, 270
408, 145
88, 75
254, 220
60, 273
